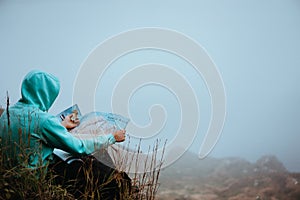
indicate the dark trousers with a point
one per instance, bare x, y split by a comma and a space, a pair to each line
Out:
88, 178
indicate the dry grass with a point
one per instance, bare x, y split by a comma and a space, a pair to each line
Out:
143, 168
18, 182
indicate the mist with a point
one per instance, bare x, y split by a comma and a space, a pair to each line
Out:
255, 46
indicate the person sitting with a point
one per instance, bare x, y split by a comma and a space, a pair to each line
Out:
29, 134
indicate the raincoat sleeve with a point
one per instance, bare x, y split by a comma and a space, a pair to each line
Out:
57, 136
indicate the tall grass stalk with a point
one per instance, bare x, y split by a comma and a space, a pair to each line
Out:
18, 181
143, 168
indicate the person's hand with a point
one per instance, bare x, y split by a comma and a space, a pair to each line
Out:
69, 123
119, 135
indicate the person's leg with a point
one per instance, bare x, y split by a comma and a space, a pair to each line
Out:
111, 183
90, 177
101, 176
70, 176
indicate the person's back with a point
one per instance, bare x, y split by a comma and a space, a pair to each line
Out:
20, 125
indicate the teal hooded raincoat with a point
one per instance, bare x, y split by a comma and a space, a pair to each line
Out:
29, 133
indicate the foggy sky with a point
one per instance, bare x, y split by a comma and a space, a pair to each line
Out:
254, 44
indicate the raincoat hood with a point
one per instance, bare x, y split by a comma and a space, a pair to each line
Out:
40, 89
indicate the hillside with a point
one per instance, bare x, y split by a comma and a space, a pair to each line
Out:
228, 178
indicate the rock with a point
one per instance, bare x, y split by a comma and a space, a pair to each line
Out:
228, 178
269, 164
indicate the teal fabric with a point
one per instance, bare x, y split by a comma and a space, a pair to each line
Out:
31, 134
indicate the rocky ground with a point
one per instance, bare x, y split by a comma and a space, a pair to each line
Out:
228, 179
